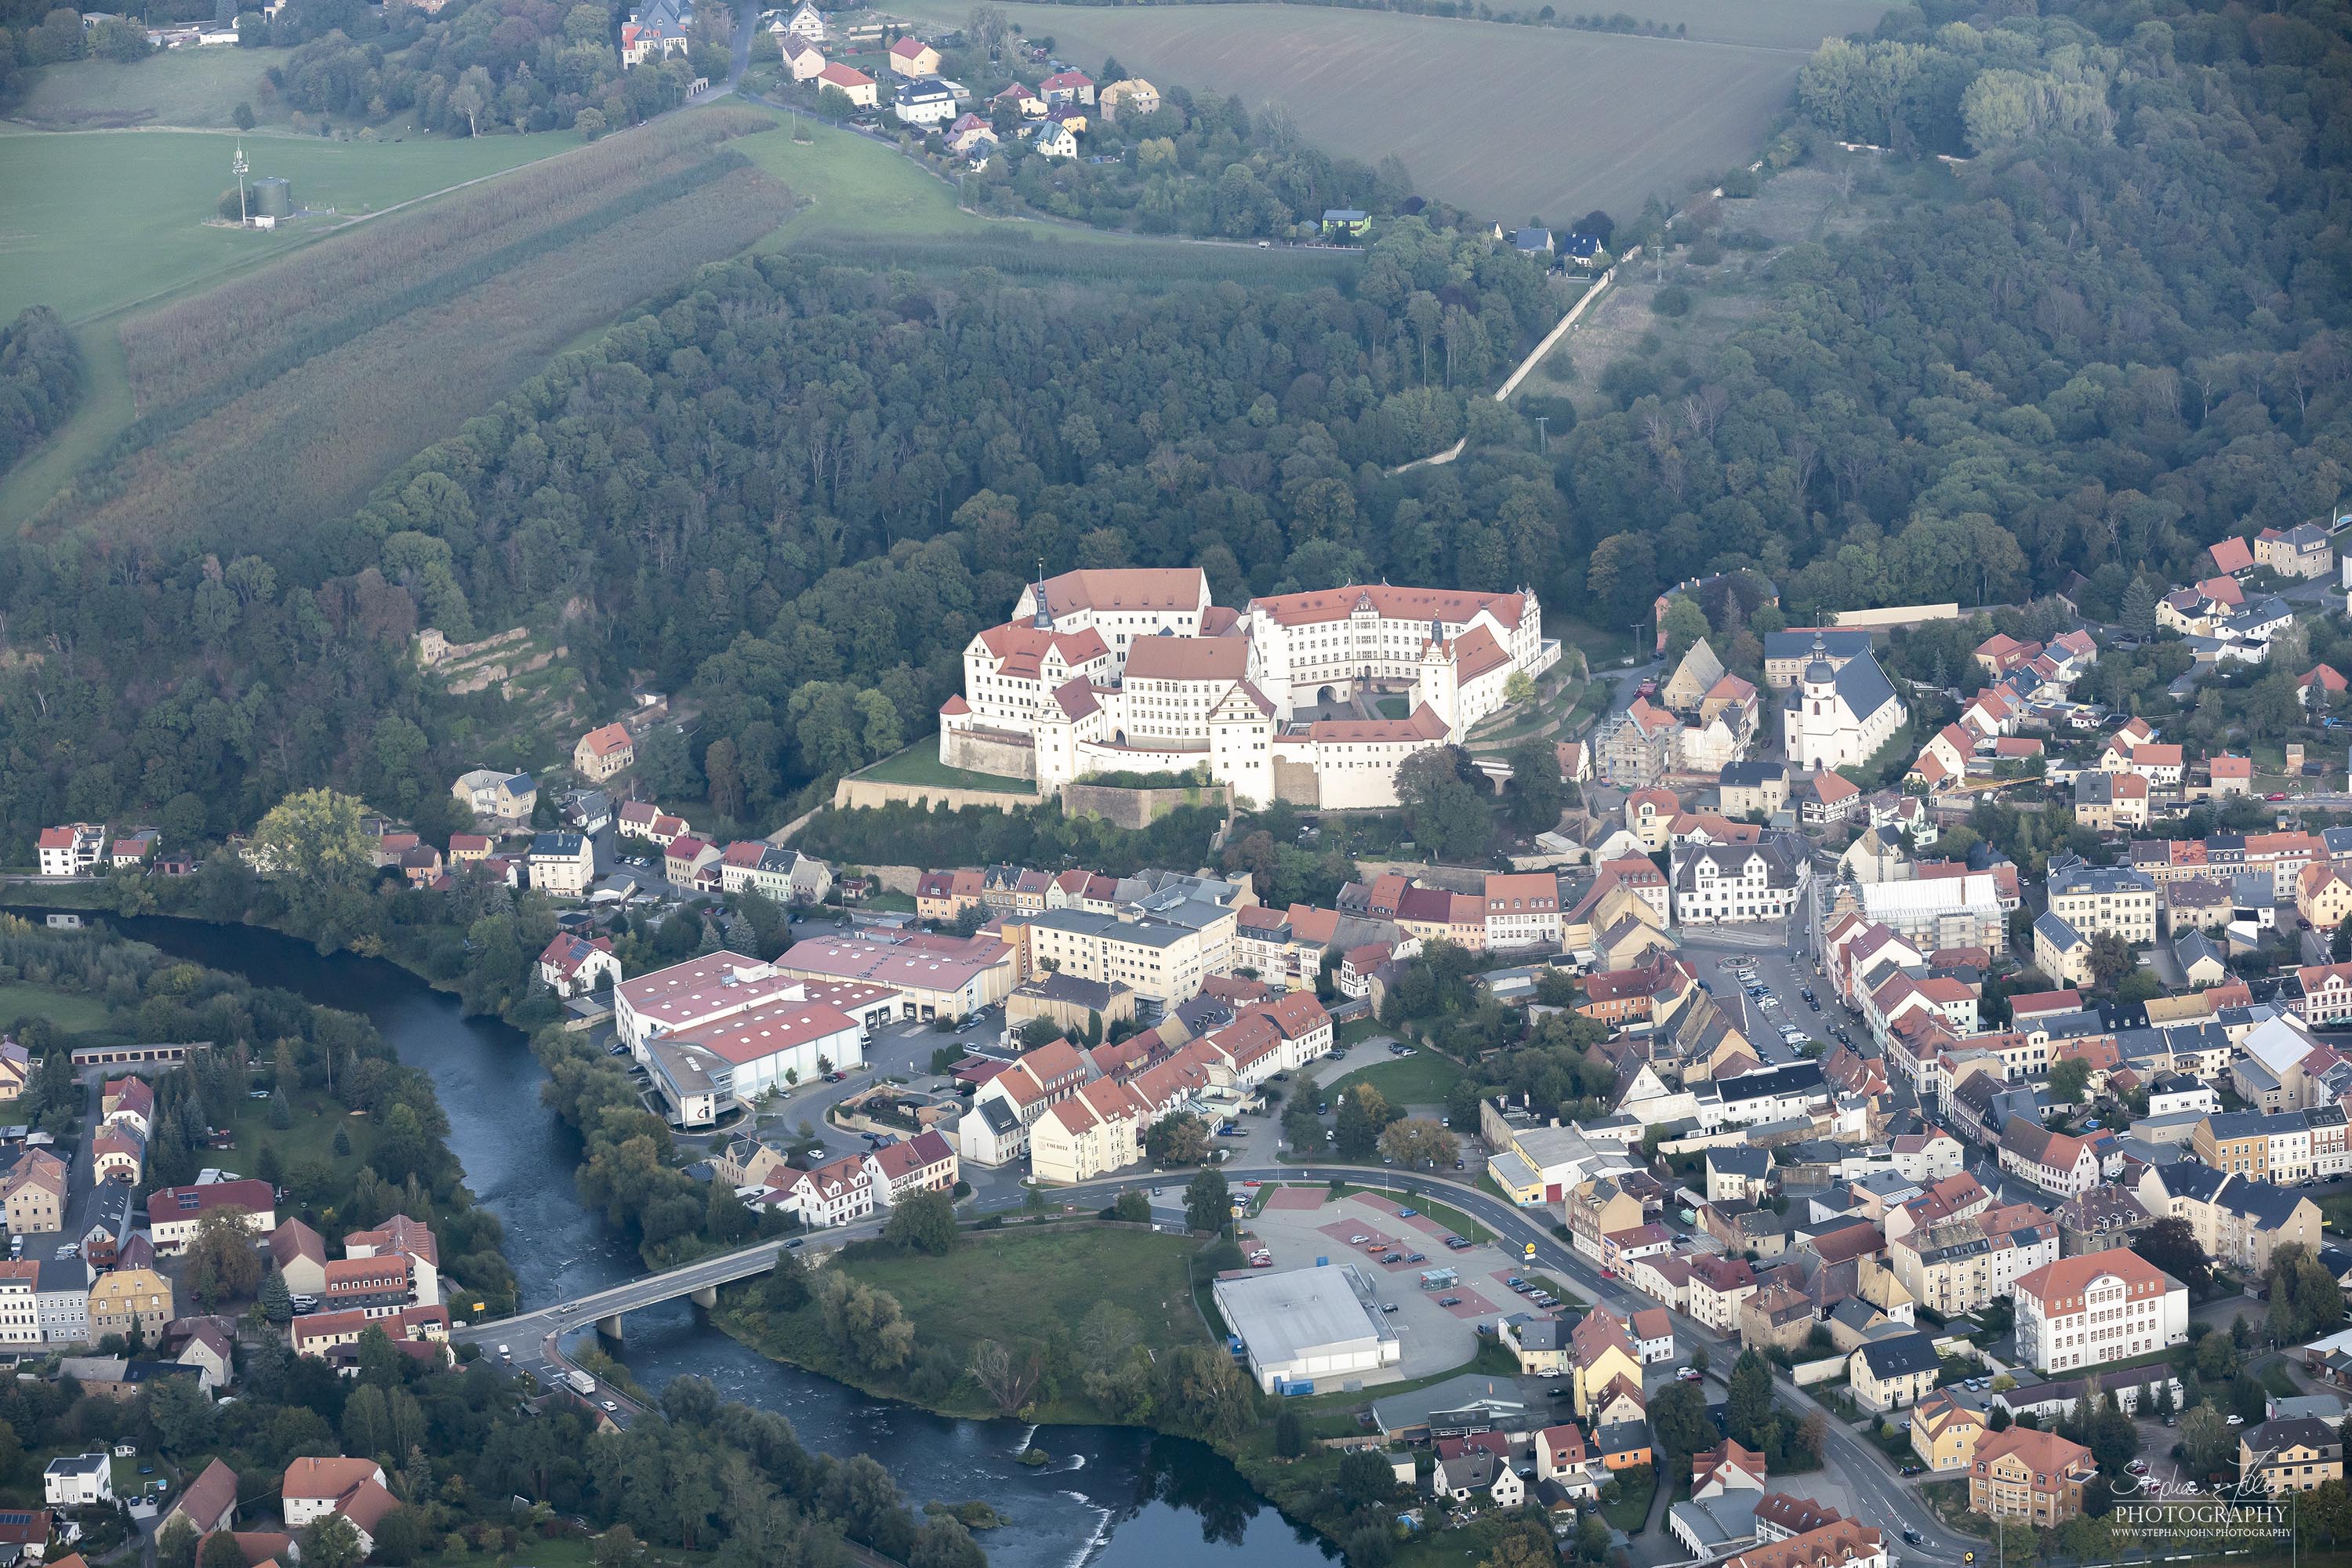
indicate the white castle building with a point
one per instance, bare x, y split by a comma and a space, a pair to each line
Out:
1135, 672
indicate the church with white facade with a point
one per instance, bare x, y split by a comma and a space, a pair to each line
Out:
1841, 711
1134, 671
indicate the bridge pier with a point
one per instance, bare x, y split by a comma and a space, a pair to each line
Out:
609, 1327
706, 1298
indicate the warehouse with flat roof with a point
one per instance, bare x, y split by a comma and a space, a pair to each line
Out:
1307, 1325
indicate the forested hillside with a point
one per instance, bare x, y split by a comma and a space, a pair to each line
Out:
2119, 338
40, 381
800, 487
795, 493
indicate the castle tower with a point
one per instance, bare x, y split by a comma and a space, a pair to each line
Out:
1438, 682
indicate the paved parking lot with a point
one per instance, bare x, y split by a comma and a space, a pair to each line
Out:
1301, 1223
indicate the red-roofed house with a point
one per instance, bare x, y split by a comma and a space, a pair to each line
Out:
573, 966
602, 752
173, 1212
923, 1163
2232, 555
911, 57
856, 84
1066, 88
838, 1193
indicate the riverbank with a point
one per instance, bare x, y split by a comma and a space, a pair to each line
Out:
1086, 1322
1117, 1495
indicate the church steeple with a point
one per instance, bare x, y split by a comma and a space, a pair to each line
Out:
1043, 619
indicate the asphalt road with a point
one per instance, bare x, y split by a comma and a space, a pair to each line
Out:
1870, 1479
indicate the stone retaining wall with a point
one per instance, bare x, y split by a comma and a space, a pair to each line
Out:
852, 794
1136, 808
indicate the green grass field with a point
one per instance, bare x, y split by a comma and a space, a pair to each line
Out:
69, 1012
196, 87
1420, 1078
1550, 122
919, 764
97, 220
1030, 1277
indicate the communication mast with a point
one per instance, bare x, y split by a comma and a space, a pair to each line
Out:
238, 166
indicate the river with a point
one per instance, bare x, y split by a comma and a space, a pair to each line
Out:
1114, 1497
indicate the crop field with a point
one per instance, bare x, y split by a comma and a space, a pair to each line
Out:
196, 88
1504, 121
285, 395
95, 220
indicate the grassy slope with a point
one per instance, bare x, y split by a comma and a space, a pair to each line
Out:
181, 87
1549, 121
69, 1012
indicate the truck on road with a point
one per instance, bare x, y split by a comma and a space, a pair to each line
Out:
579, 1381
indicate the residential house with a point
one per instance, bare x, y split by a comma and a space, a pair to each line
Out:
79, 1481
2020, 1473
131, 1296
911, 57
1895, 1371
1069, 87
208, 1503
602, 752
2237, 1219
1945, 1432
299, 1254
573, 965
860, 88
840, 1192
2300, 552
497, 794
2291, 1454
72, 850
315, 1488
923, 1163
563, 865
173, 1212
333, 1337
1134, 98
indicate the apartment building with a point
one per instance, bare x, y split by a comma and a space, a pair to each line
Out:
1522, 911
2098, 900
2081, 1312
1159, 958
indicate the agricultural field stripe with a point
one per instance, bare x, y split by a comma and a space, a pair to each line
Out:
149, 429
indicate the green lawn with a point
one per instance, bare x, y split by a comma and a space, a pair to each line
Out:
856, 186
73, 1013
1631, 1510
1027, 1277
1424, 1077
100, 220
919, 764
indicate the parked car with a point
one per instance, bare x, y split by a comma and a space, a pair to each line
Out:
1449, 1300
